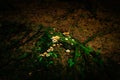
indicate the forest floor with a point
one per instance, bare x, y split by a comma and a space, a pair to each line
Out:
68, 17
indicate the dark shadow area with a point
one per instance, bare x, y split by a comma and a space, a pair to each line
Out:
8, 30
12, 35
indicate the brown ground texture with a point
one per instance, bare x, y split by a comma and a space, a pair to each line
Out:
72, 17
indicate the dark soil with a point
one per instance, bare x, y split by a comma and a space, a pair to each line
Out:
19, 21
